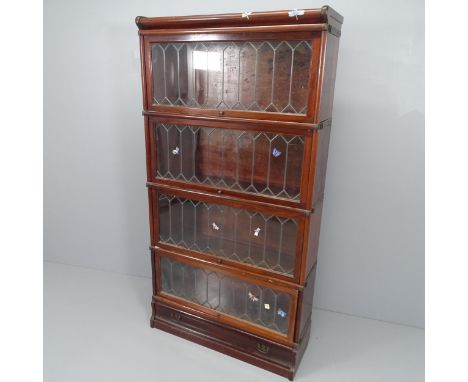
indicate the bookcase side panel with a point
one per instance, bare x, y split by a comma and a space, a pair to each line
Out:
325, 114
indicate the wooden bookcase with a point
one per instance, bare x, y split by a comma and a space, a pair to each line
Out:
237, 111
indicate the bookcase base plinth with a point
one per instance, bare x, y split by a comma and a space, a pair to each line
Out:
279, 359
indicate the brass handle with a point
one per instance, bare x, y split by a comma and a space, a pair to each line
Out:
262, 348
176, 316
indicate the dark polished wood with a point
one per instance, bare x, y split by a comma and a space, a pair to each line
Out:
237, 116
304, 313
293, 128
310, 16
221, 198
254, 273
257, 350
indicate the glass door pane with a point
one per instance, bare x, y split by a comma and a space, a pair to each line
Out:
269, 76
257, 162
249, 302
254, 238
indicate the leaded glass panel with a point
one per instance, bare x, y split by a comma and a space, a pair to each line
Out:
270, 76
254, 238
249, 302
248, 161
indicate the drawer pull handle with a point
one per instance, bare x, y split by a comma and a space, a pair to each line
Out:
262, 348
176, 316
215, 226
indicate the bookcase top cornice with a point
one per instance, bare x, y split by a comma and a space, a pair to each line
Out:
325, 15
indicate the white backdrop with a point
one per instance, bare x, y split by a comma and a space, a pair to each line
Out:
371, 257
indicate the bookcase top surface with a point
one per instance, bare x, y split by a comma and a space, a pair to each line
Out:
323, 15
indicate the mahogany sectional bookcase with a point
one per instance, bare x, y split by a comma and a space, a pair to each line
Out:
237, 111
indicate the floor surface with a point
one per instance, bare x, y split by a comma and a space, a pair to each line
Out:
96, 328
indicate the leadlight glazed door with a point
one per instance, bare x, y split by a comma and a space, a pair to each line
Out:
255, 75
250, 304
257, 160
239, 234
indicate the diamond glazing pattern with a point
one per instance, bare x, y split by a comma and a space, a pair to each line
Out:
249, 302
256, 162
270, 76
249, 237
